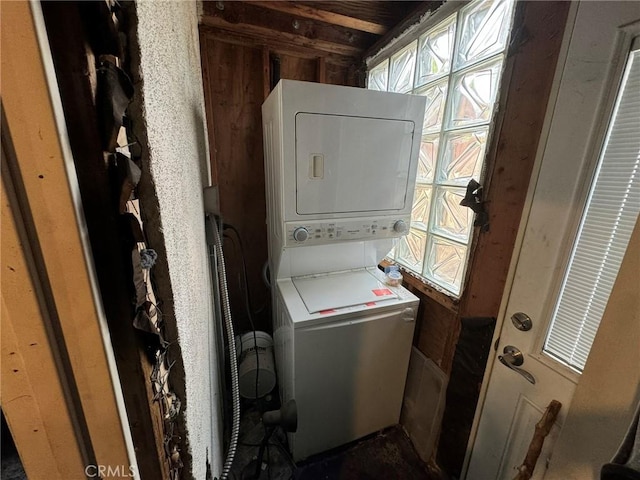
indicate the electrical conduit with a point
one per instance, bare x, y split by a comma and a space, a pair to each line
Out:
235, 388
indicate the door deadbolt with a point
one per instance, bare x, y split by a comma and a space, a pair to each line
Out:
522, 321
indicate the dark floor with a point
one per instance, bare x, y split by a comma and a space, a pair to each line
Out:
386, 455
11, 468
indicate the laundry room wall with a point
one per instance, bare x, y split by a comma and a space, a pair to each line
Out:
237, 77
242, 59
608, 395
170, 101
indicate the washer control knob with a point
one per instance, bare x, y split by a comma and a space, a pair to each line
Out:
400, 227
300, 234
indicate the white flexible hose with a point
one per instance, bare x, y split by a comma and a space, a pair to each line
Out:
235, 388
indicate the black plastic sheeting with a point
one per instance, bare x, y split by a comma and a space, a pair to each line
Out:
469, 363
626, 462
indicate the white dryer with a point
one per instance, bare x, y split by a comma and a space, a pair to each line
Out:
340, 166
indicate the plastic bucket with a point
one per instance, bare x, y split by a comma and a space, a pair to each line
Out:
255, 359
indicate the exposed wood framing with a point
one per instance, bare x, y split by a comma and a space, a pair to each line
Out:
526, 86
34, 396
275, 44
275, 27
234, 98
74, 61
529, 71
39, 153
207, 81
422, 9
437, 331
266, 72
307, 11
382, 12
424, 289
296, 68
322, 70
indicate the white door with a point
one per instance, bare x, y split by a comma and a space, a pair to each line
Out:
598, 39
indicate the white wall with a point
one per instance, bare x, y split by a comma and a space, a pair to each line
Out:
609, 388
173, 109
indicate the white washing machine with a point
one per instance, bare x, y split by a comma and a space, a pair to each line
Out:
340, 167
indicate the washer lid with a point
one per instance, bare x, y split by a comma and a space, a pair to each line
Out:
337, 290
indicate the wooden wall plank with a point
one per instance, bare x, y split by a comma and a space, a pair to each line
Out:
296, 68
280, 37
419, 9
335, 74
235, 95
386, 13
327, 16
28, 108
436, 330
74, 59
321, 65
274, 43
243, 14
529, 71
530, 68
266, 72
33, 396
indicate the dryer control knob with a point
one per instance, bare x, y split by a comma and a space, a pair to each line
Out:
300, 234
400, 227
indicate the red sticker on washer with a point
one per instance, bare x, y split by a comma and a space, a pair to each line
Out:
324, 312
370, 304
381, 292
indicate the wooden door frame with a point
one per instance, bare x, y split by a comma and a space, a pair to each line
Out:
603, 112
537, 163
94, 426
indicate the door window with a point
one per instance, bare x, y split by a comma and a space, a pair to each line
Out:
608, 219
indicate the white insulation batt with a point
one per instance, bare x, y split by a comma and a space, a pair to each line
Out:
173, 107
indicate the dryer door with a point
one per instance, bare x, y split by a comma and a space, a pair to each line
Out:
352, 164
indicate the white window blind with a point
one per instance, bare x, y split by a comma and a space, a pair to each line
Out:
607, 223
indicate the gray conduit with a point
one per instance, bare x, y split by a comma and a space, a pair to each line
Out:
235, 388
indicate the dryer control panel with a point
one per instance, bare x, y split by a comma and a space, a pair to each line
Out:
330, 231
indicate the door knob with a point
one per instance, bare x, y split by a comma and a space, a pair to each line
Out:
512, 357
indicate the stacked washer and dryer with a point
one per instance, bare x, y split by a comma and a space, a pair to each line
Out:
340, 166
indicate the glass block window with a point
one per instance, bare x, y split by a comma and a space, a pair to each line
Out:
456, 65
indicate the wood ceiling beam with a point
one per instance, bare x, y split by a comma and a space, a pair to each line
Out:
255, 20
323, 16
276, 46
413, 17
269, 36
